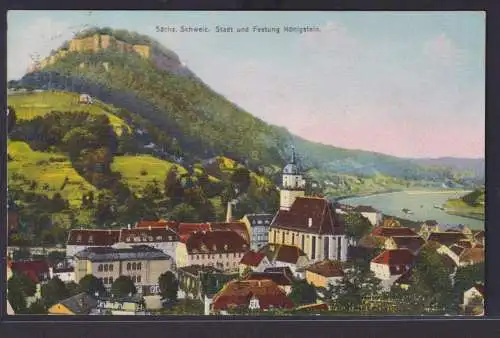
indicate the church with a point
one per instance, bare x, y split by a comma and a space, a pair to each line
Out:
309, 223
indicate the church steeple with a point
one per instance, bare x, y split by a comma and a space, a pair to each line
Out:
293, 183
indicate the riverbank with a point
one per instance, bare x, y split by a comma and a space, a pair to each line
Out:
392, 191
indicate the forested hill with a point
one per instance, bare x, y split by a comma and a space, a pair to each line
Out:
199, 121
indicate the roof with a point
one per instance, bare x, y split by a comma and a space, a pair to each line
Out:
282, 253
259, 219
446, 238
282, 269
108, 254
365, 208
464, 243
215, 242
148, 235
80, 304
157, 224
35, 270
479, 288
472, 255
327, 268
93, 237
252, 258
456, 249
195, 270
395, 257
239, 293
239, 227
393, 231
186, 229
324, 219
279, 278
411, 243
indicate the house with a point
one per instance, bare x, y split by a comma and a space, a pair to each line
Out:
474, 301
286, 256
256, 295
255, 261
195, 280
81, 239
239, 227
446, 238
143, 264
373, 215
36, 270
86, 99
309, 223
220, 249
65, 274
283, 278
324, 273
412, 243
132, 305
391, 264
164, 239
80, 304
258, 227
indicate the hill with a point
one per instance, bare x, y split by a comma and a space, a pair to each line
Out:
472, 167
204, 123
470, 205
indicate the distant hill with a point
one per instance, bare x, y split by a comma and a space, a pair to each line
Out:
474, 167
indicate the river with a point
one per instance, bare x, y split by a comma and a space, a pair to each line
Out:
420, 202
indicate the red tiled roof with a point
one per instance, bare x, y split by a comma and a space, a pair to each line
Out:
252, 258
446, 238
393, 231
35, 270
187, 229
395, 257
239, 227
472, 255
93, 237
282, 253
411, 243
157, 224
239, 293
327, 269
215, 242
323, 216
145, 235
279, 278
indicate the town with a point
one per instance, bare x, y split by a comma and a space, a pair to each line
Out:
312, 256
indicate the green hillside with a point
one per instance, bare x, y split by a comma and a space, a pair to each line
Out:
37, 104
470, 205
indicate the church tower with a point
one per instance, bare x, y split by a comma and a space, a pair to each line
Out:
293, 185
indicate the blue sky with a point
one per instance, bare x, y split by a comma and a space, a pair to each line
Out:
409, 84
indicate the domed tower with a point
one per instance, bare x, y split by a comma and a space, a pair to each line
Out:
293, 185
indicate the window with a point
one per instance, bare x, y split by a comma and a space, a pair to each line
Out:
105, 280
106, 267
274, 236
197, 257
220, 255
313, 249
111, 279
283, 238
79, 238
91, 239
234, 254
139, 266
139, 279
339, 250
99, 268
293, 239
134, 266
111, 267
227, 263
303, 243
128, 266
133, 279
326, 249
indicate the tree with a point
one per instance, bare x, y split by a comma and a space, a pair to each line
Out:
17, 299
357, 225
37, 308
24, 283
91, 285
241, 179
357, 284
123, 286
184, 213
303, 293
169, 286
56, 257
466, 277
54, 291
21, 254
11, 119
73, 288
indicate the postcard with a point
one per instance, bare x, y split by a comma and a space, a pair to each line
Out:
247, 163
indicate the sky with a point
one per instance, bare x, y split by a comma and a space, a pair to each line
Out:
409, 84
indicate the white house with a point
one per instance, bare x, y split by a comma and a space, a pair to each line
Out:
474, 300
64, 274
372, 214
391, 264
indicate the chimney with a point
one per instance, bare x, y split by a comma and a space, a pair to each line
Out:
310, 222
229, 215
